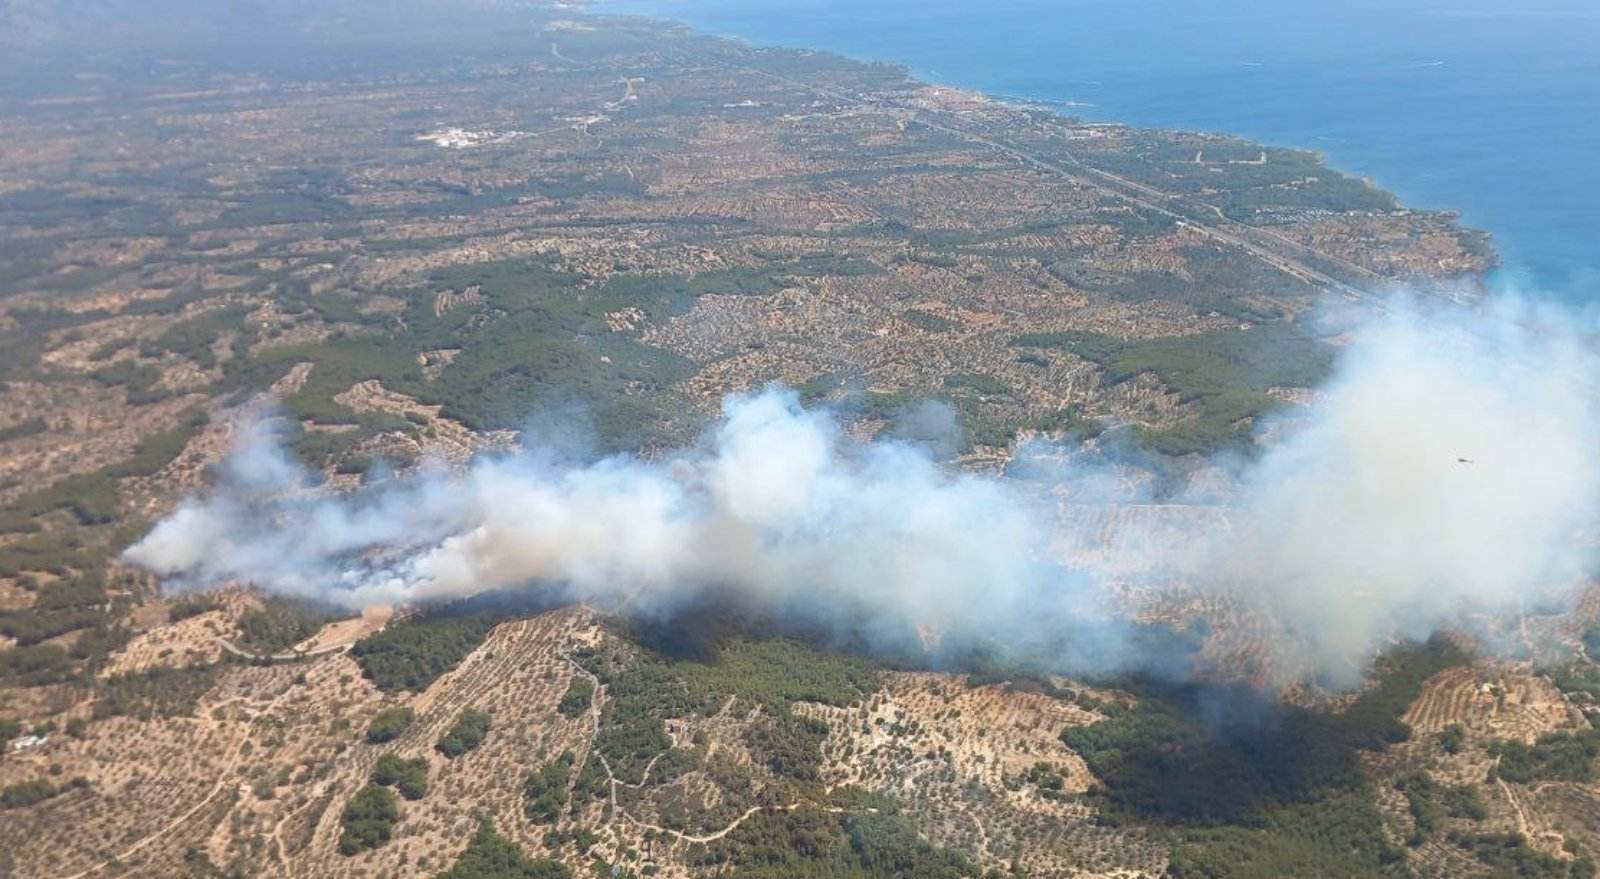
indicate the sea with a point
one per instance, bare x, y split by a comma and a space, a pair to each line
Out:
1489, 108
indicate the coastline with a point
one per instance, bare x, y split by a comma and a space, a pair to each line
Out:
1478, 280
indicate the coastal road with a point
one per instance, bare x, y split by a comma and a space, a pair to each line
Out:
1227, 232
1155, 201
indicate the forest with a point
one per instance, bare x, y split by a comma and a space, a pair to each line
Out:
1253, 788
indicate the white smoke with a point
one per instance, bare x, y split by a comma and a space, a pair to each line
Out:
1446, 471
1450, 470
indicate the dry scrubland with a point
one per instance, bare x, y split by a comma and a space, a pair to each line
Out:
413, 259
255, 775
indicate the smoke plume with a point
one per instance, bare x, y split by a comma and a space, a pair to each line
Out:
1444, 475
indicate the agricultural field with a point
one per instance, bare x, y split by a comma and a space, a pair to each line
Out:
614, 223
676, 763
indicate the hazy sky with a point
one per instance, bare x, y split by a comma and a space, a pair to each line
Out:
95, 24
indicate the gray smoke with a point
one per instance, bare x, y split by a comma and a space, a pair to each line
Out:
1445, 474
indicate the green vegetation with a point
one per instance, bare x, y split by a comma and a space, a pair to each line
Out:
935, 260
926, 321
412, 653
545, 791
492, 856
1463, 801
31, 627
1340, 835
30, 427
581, 837
1227, 373
34, 666
592, 783
10, 728
1554, 757
409, 777
675, 762
29, 793
25, 342
535, 340
789, 745
826, 386
1047, 779
90, 498
78, 548
388, 724
77, 602
1453, 738
192, 606
968, 393
73, 551
1422, 800
280, 624
1333, 191
273, 207
59, 607
631, 729
1508, 854
60, 551
578, 698
773, 673
1579, 680
81, 279
869, 839
1280, 793
465, 734
98, 643
982, 429
161, 448
1288, 180
138, 381
368, 820
1212, 278
552, 347
978, 383
196, 337
158, 692
85, 591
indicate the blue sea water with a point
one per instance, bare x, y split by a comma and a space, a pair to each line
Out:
1490, 108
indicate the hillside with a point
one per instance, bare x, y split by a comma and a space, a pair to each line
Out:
773, 758
410, 258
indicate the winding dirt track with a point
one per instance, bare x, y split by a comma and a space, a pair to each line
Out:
225, 780
616, 807
436, 709
240, 652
